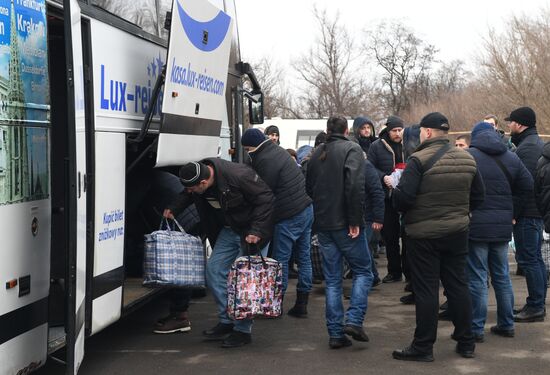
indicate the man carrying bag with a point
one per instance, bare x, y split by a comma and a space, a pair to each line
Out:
235, 207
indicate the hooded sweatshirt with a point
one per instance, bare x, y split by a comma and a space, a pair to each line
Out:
364, 142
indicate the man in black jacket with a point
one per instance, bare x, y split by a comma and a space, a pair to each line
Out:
542, 186
374, 213
385, 153
292, 212
236, 208
336, 182
528, 227
436, 192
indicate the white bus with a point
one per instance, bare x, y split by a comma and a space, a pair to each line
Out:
77, 80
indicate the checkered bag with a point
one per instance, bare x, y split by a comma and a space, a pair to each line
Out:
254, 287
173, 258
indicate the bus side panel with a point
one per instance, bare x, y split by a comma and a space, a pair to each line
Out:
110, 187
26, 263
125, 72
26, 352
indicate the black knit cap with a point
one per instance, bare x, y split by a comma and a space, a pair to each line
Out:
524, 116
394, 122
193, 173
435, 120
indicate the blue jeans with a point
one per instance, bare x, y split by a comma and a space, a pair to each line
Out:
335, 245
528, 239
295, 231
224, 253
485, 257
370, 238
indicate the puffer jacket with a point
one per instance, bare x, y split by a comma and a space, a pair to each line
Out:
281, 173
245, 199
383, 157
492, 220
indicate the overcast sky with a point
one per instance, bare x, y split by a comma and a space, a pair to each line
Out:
284, 29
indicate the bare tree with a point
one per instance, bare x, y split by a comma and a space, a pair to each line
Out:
329, 71
515, 66
406, 62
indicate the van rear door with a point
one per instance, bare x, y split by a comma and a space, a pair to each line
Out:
77, 180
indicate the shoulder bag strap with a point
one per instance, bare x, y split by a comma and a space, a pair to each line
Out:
435, 157
504, 170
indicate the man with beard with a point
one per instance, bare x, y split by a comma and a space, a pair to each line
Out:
386, 154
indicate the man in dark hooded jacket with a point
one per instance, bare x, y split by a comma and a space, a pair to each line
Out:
363, 132
385, 153
508, 185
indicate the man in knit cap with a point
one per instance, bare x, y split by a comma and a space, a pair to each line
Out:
292, 213
386, 154
529, 224
236, 211
272, 132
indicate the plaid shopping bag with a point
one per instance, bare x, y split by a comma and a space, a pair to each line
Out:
254, 287
173, 258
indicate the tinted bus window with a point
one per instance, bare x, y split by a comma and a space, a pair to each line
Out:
142, 13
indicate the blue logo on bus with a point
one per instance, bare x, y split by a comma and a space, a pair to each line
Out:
205, 36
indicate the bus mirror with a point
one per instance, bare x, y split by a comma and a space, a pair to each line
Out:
256, 108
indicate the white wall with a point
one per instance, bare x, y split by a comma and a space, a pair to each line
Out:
289, 129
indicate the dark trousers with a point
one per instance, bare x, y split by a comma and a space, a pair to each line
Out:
391, 233
179, 300
431, 260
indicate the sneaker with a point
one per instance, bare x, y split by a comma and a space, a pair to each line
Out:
503, 332
172, 324
376, 282
219, 332
517, 311
356, 332
236, 339
529, 315
339, 342
408, 299
389, 278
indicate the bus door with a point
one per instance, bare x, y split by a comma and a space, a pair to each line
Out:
77, 186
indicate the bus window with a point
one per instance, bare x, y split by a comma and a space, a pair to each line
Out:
141, 13
164, 6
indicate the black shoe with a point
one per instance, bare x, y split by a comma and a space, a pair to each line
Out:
236, 339
219, 332
445, 315
465, 352
408, 288
408, 299
503, 332
479, 337
529, 315
389, 278
411, 354
517, 311
376, 282
444, 306
339, 342
356, 332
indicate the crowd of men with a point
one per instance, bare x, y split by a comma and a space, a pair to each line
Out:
446, 214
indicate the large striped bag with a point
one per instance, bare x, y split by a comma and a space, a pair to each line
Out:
173, 259
254, 288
